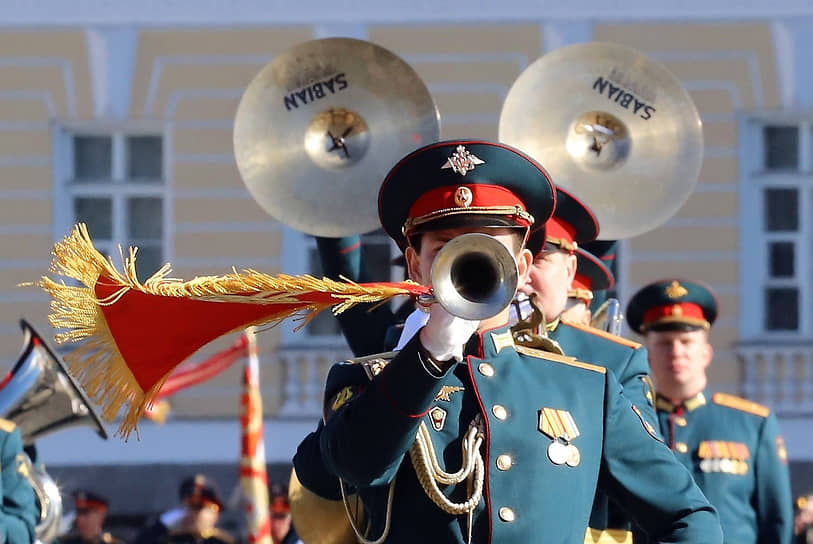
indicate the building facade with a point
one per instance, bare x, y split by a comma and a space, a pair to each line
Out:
120, 115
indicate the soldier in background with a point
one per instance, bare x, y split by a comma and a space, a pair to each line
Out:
195, 521
282, 530
803, 520
591, 275
91, 511
731, 445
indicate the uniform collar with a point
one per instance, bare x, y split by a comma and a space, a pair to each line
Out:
692, 403
551, 326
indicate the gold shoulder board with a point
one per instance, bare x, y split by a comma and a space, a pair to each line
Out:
739, 403
604, 334
6, 425
548, 356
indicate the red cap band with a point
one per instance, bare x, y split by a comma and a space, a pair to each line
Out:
559, 230
688, 312
581, 282
460, 198
89, 504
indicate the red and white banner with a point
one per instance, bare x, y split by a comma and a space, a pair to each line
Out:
194, 373
253, 476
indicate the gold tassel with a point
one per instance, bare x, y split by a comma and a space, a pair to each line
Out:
97, 362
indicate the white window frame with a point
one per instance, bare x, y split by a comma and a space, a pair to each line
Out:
296, 246
754, 254
62, 138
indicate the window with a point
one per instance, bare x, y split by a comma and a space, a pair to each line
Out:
114, 182
777, 286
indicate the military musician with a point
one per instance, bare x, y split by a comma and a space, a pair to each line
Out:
512, 440
731, 445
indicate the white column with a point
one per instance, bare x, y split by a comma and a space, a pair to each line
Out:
292, 390
749, 373
793, 42
312, 387
806, 379
111, 56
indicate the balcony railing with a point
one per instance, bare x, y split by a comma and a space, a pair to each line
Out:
305, 371
780, 376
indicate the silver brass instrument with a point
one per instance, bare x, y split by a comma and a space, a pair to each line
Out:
40, 397
474, 276
609, 317
614, 127
318, 128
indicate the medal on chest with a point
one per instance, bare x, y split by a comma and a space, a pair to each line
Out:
561, 428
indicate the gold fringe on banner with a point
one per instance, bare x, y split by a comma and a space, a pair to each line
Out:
97, 361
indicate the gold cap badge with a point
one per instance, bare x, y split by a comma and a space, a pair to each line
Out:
462, 161
463, 197
676, 290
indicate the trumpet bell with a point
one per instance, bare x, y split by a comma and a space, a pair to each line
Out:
612, 126
474, 276
40, 396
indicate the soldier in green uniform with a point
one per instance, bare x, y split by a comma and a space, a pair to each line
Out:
512, 442
731, 445
591, 276
91, 511
19, 512
555, 267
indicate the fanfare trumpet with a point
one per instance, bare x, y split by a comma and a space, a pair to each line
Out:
474, 276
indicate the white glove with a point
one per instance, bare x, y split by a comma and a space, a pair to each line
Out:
444, 335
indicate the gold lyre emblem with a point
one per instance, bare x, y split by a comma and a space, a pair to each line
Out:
446, 391
463, 197
462, 161
676, 290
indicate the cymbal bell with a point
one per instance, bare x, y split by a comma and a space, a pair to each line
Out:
319, 127
612, 126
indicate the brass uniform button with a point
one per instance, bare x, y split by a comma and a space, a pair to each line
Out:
681, 447
680, 421
486, 370
507, 515
504, 461
499, 411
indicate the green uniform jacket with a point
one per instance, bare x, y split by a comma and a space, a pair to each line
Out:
371, 425
19, 513
629, 362
733, 448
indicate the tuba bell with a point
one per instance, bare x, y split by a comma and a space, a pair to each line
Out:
40, 397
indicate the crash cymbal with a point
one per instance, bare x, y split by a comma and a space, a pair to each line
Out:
612, 126
319, 127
